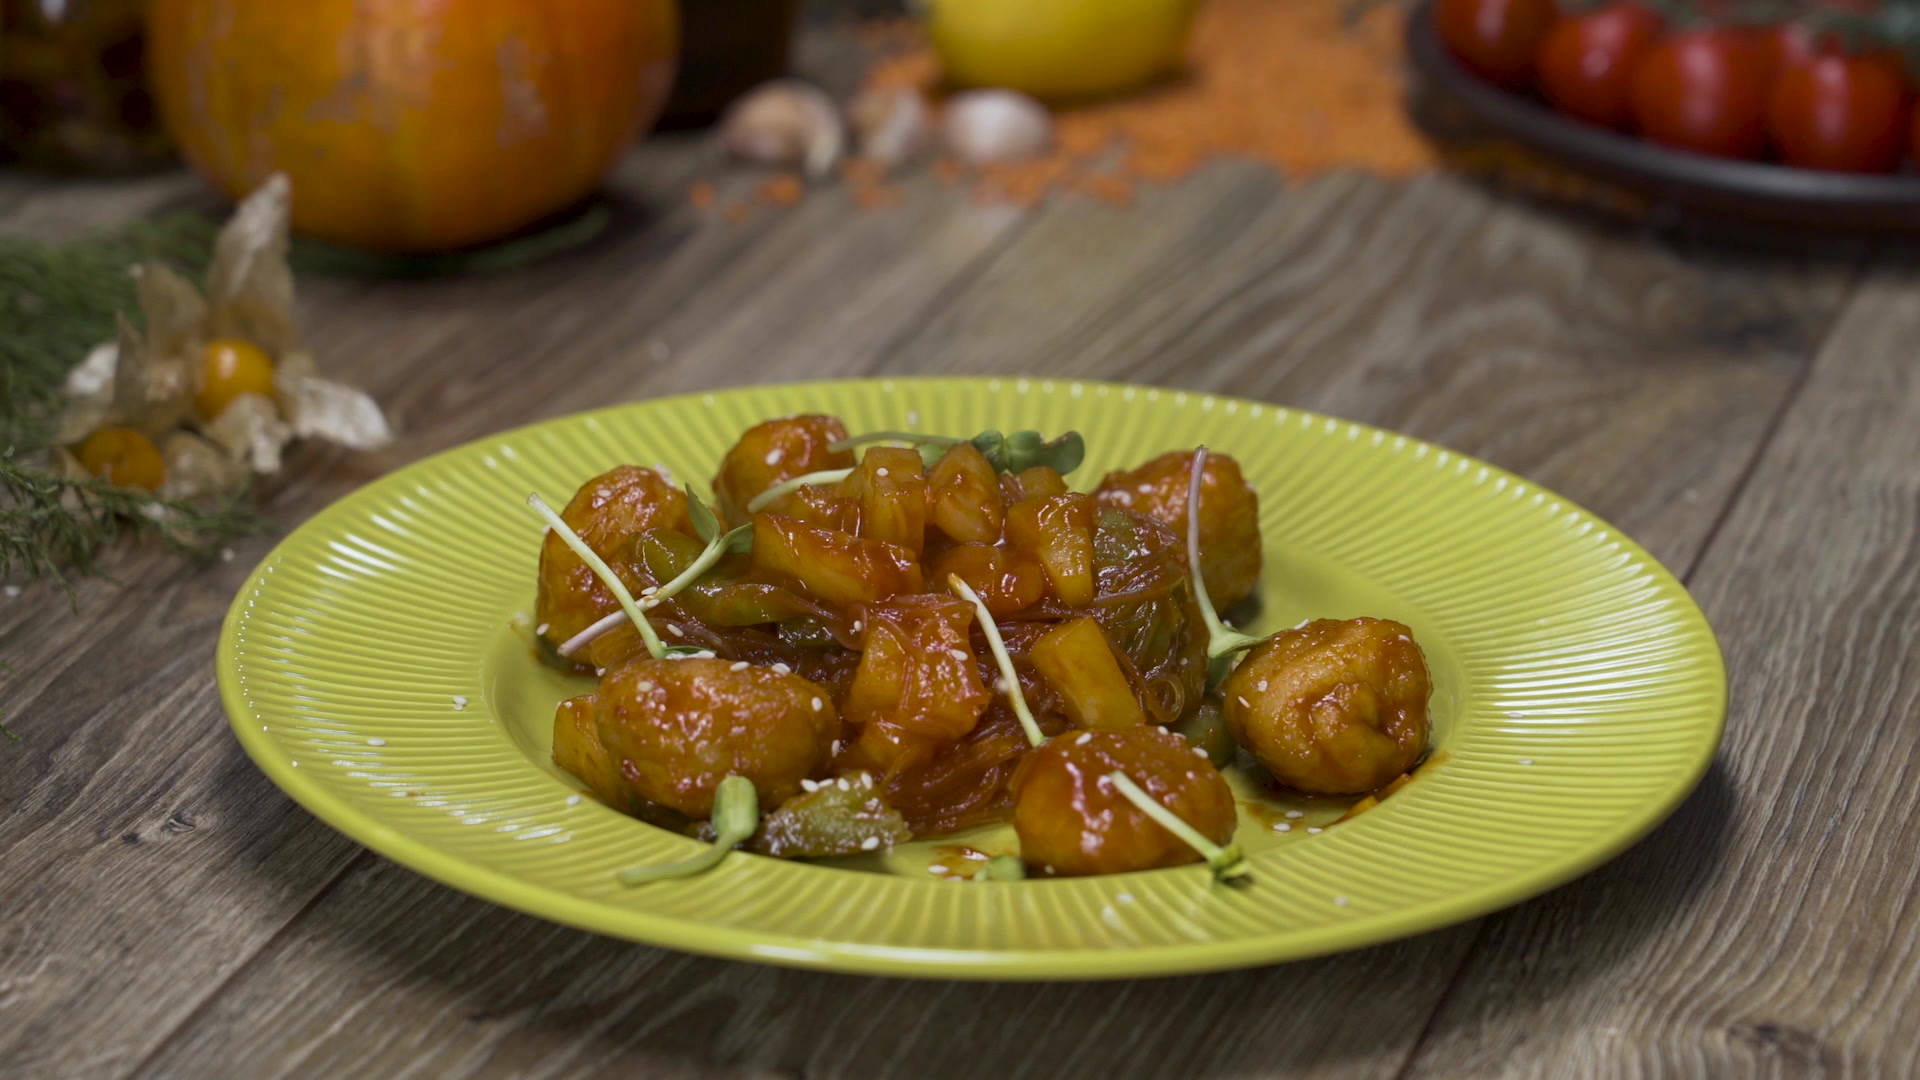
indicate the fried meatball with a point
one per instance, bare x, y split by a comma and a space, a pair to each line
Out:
676, 728
1229, 516
1332, 708
609, 512
1073, 822
774, 451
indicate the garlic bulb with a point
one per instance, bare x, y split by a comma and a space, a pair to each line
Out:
895, 125
785, 122
986, 126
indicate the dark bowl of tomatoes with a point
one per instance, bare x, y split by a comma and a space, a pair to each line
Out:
1748, 123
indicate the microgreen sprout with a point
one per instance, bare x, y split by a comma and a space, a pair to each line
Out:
831, 476
999, 649
1228, 864
893, 436
1222, 640
736, 814
705, 525
1004, 868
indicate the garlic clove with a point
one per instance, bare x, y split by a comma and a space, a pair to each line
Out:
895, 125
785, 122
982, 127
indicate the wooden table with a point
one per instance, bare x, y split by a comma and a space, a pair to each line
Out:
1751, 416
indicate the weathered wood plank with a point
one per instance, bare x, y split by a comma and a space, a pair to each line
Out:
1213, 285
1769, 930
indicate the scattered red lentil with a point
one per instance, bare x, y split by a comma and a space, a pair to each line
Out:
1306, 86
782, 189
702, 194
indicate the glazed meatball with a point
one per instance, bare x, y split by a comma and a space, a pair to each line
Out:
774, 451
1229, 516
1332, 708
676, 728
1073, 822
609, 512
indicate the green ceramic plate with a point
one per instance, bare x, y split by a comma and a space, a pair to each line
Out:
378, 666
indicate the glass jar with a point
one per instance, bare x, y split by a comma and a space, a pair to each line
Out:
73, 89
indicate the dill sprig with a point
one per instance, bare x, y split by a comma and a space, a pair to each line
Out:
58, 301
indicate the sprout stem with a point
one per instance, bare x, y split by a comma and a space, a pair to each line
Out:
1004, 868
1222, 639
736, 814
711, 554
655, 646
1229, 865
893, 436
831, 476
1000, 657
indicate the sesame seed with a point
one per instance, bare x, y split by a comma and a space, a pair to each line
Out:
857, 624
226, 554
881, 471
1340, 900
783, 669
674, 629
706, 654
913, 417
649, 590
1315, 830
459, 703
376, 741
1526, 761
844, 786
1199, 752
809, 785
1283, 827
573, 800
960, 654
774, 455
1244, 703
836, 746
599, 671
1296, 814
1262, 687
1084, 738
937, 868
869, 843
737, 665
1146, 489
1001, 685
645, 686
542, 629
818, 704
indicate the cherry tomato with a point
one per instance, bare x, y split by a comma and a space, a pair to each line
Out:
228, 368
124, 458
1498, 39
1845, 113
1587, 63
1787, 46
1705, 91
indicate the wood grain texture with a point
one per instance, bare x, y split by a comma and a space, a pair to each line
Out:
391, 974
1769, 929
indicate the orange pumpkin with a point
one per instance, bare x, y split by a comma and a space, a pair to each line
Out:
411, 125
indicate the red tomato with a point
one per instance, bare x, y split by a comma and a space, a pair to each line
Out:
1704, 90
1846, 113
1587, 63
1787, 46
1498, 39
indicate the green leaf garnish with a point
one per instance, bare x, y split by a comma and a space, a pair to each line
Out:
1025, 450
705, 525
1222, 640
736, 814
761, 501
999, 649
1228, 864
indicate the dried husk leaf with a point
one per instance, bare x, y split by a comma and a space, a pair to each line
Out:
150, 393
174, 310
89, 393
249, 284
250, 430
197, 467
322, 409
